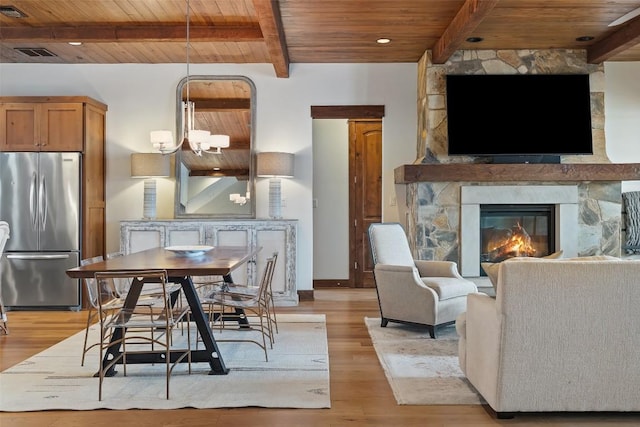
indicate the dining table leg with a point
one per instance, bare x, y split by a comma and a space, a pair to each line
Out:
210, 353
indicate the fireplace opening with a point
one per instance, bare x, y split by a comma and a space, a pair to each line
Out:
508, 231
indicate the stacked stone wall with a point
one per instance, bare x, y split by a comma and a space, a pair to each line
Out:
434, 207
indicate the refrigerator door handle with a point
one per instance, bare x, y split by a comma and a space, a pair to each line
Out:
42, 205
37, 256
33, 201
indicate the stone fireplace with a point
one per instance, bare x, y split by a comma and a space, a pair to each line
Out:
563, 198
444, 193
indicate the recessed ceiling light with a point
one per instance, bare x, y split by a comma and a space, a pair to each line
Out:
12, 12
584, 38
75, 43
474, 39
383, 40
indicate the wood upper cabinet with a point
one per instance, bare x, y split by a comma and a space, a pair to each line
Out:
64, 124
42, 126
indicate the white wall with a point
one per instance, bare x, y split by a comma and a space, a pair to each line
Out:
141, 97
622, 115
331, 199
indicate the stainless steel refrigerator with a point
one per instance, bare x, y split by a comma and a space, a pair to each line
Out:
40, 199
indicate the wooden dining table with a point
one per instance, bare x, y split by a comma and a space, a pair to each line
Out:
219, 261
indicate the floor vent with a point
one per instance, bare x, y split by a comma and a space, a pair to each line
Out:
35, 51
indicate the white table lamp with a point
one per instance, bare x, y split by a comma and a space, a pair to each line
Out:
149, 166
275, 165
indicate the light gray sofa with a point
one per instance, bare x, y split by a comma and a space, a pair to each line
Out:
560, 335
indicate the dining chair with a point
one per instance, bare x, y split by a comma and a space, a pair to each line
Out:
93, 313
244, 289
4, 236
150, 291
244, 311
164, 317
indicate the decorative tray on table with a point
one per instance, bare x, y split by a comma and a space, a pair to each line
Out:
194, 250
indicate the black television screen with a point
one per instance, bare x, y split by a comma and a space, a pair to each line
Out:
518, 115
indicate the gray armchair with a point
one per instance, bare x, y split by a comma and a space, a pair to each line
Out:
430, 293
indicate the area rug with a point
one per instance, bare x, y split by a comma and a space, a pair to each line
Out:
421, 370
296, 376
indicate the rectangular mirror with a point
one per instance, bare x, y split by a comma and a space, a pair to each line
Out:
217, 185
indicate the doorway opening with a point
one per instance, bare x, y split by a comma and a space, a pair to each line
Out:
347, 194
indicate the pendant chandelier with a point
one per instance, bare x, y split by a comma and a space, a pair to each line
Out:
200, 141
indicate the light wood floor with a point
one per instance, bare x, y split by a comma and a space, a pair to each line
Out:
360, 394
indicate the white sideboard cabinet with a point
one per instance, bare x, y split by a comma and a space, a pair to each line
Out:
271, 235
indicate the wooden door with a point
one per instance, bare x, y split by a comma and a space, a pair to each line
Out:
365, 171
19, 129
61, 127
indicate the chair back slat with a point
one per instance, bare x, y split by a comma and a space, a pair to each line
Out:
91, 285
124, 283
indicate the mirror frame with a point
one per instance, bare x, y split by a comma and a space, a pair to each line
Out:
179, 131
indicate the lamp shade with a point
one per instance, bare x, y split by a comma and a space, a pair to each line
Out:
219, 141
161, 139
149, 165
275, 164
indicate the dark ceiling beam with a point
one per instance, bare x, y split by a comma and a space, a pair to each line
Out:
347, 111
268, 12
221, 104
626, 37
461, 27
133, 33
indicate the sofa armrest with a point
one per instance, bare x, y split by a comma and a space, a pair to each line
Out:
483, 345
403, 295
429, 268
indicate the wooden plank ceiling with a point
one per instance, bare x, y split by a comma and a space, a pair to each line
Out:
221, 104
306, 31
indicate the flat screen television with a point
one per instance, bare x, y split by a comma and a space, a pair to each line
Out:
519, 117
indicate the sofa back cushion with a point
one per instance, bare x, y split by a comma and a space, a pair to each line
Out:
570, 327
492, 268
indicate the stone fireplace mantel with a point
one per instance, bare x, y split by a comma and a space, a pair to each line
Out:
475, 172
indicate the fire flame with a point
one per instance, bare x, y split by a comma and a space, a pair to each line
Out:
510, 243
